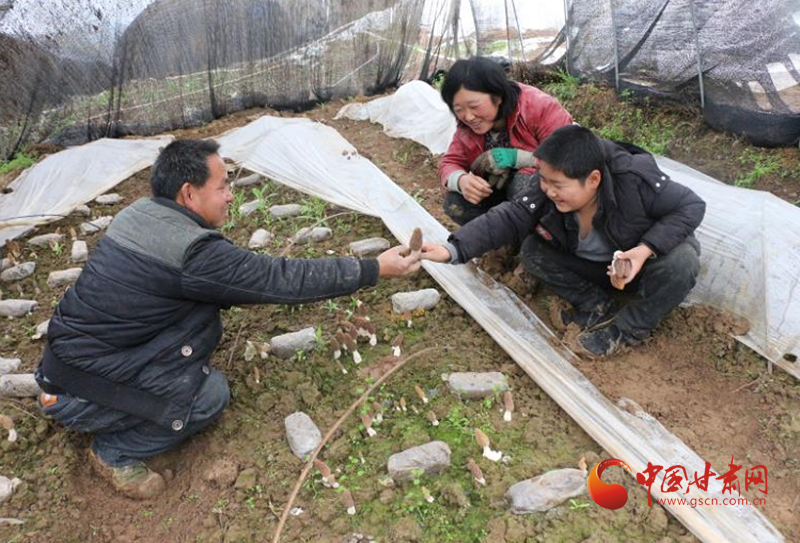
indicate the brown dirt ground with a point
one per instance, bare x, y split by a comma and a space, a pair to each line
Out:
707, 389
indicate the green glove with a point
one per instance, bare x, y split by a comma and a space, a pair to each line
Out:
508, 158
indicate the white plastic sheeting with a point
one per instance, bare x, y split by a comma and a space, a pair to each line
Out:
413, 112
61, 182
750, 262
315, 159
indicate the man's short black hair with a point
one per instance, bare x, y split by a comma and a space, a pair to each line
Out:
572, 150
481, 74
182, 161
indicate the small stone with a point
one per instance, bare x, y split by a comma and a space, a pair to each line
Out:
17, 308
253, 179
44, 240
222, 472
369, 246
110, 199
304, 235
18, 272
7, 365
287, 210
97, 225
249, 208
5, 264
246, 479
302, 434
63, 277
432, 458
286, 345
474, 385
18, 385
7, 487
321, 233
426, 299
41, 329
259, 239
82, 211
546, 491
80, 252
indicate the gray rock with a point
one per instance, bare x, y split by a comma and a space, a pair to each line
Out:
286, 345
80, 252
8, 365
43, 240
369, 246
18, 272
41, 329
18, 385
5, 264
432, 458
63, 277
546, 491
302, 434
97, 225
287, 210
7, 487
473, 385
412, 301
321, 233
110, 199
17, 308
253, 179
249, 208
82, 211
304, 235
259, 239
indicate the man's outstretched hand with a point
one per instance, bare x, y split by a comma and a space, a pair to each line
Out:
393, 264
435, 252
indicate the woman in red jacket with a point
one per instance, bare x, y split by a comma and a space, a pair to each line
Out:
499, 117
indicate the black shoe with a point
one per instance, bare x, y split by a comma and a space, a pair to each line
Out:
605, 341
589, 320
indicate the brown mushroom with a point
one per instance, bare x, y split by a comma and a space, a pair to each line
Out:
508, 404
366, 420
397, 343
432, 418
476, 472
349, 503
421, 394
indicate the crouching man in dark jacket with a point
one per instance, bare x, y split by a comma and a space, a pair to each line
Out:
595, 197
129, 346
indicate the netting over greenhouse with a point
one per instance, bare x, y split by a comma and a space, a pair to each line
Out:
74, 70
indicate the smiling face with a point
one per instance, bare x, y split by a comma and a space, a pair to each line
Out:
566, 193
213, 199
477, 110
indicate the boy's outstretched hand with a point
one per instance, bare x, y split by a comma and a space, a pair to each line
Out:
435, 252
392, 264
637, 257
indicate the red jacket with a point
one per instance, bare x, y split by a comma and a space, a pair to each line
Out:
536, 116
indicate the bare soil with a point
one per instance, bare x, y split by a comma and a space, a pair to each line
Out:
710, 391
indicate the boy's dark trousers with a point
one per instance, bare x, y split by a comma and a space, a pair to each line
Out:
660, 286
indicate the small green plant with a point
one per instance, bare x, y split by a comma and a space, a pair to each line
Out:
19, 162
331, 306
761, 163
438, 81
300, 355
577, 505
565, 87
147, 513
314, 209
57, 247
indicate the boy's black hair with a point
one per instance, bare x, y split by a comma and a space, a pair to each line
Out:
182, 161
572, 150
481, 74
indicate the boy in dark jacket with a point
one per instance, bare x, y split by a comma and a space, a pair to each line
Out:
596, 198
